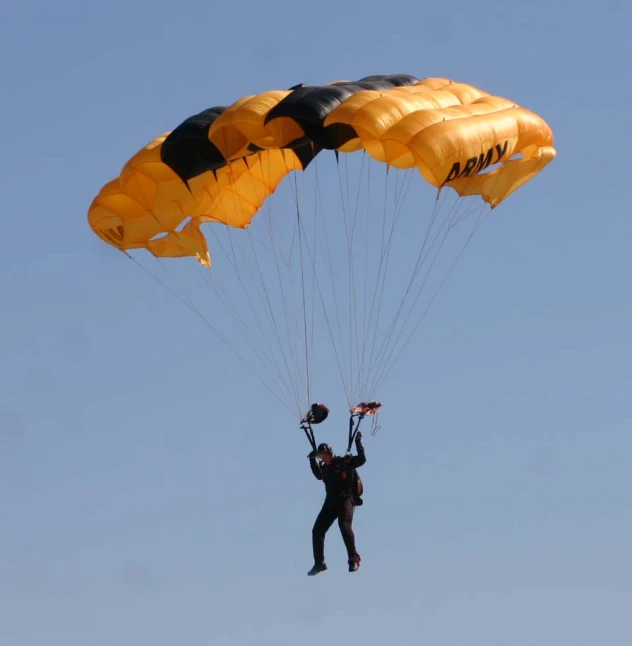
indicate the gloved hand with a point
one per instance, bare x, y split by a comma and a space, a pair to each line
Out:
312, 454
358, 436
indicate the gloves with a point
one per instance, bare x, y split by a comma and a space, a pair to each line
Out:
312, 455
358, 437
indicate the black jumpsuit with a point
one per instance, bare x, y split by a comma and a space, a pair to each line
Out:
339, 501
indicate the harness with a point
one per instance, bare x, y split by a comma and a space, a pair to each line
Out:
348, 480
348, 473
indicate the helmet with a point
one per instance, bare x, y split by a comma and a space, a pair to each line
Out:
325, 448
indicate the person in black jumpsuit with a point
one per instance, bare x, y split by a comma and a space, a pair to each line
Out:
340, 501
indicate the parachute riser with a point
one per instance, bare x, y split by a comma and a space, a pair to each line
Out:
353, 428
309, 433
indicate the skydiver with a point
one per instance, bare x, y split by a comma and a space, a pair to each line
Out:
343, 488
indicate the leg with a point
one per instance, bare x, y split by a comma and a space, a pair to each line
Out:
324, 521
345, 520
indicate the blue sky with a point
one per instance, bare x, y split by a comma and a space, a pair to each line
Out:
150, 493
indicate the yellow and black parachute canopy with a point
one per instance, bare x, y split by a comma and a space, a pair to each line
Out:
222, 164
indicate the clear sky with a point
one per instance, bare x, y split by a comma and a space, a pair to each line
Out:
150, 491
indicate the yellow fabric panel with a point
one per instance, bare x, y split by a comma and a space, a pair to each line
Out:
450, 132
465, 146
144, 173
108, 212
242, 123
283, 131
242, 187
448, 93
124, 223
114, 215
434, 138
372, 114
147, 199
501, 182
433, 82
146, 205
178, 244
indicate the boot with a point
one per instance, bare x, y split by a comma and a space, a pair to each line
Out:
354, 563
318, 567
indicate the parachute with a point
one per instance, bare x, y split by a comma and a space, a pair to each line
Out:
222, 167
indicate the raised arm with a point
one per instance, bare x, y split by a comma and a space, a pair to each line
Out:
360, 459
